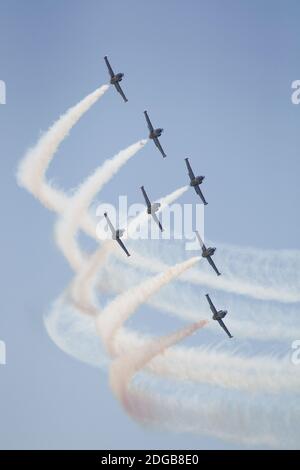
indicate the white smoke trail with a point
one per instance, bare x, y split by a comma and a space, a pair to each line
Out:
243, 265
137, 403
143, 216
172, 368
250, 421
270, 275
214, 414
67, 227
122, 301
230, 281
232, 370
82, 289
124, 368
112, 318
249, 319
124, 305
32, 169
83, 285
31, 175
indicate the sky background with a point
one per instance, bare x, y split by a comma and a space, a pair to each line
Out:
217, 76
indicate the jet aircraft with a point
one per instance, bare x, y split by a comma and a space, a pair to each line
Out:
116, 234
152, 208
154, 134
195, 181
115, 79
218, 315
207, 253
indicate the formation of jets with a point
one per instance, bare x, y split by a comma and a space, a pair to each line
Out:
152, 208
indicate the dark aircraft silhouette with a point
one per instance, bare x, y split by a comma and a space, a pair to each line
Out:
152, 208
116, 234
195, 181
207, 253
154, 134
218, 315
115, 79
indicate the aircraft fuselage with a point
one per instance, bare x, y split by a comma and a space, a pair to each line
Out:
116, 78
153, 208
208, 252
118, 234
196, 181
155, 133
219, 315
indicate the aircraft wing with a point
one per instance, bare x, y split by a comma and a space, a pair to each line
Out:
157, 221
119, 89
190, 171
199, 192
150, 127
111, 72
212, 307
122, 246
222, 324
112, 228
211, 262
157, 143
200, 240
147, 200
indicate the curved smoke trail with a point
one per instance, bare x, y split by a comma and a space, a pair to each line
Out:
125, 367
249, 318
83, 285
266, 419
32, 169
125, 305
74, 333
228, 374
241, 268
67, 227
249, 422
256, 273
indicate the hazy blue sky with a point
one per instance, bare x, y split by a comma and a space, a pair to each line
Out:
217, 76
